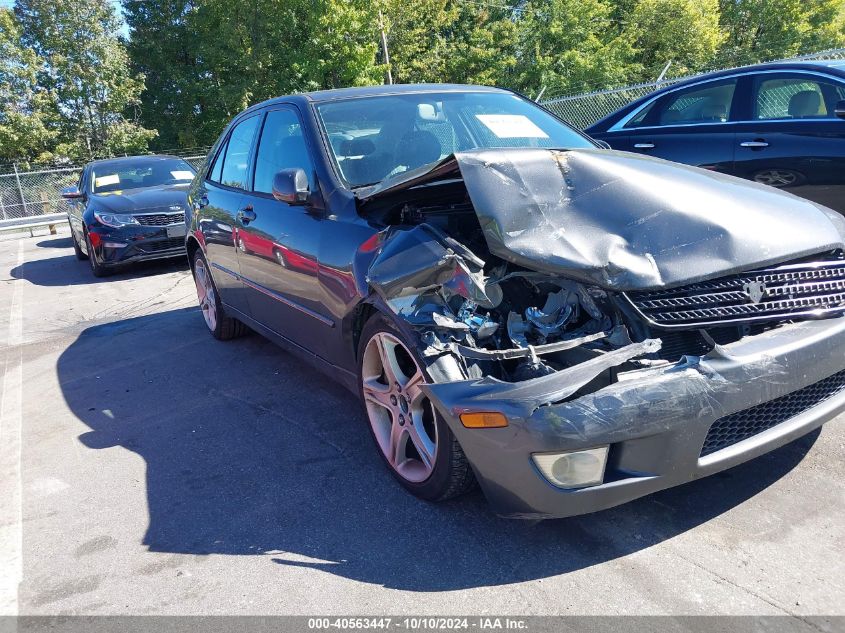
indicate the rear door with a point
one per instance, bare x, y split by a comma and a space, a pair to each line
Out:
218, 200
279, 243
792, 139
688, 125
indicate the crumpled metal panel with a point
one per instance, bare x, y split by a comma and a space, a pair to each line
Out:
629, 222
625, 221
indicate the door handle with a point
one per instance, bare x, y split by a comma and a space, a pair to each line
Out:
755, 143
246, 215
643, 145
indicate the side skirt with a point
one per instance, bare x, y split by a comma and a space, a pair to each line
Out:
345, 377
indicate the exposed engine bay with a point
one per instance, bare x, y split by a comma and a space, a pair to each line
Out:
502, 319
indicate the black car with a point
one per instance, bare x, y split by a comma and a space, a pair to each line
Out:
570, 326
130, 209
780, 124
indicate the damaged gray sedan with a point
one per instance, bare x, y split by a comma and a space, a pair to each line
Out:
569, 326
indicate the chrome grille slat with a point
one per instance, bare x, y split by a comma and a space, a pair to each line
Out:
813, 289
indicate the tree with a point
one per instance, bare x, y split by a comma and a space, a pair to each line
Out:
85, 66
27, 112
570, 45
761, 30
207, 61
684, 32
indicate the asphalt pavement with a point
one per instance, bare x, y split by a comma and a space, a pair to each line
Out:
146, 468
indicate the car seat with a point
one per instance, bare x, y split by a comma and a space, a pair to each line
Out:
804, 104
417, 148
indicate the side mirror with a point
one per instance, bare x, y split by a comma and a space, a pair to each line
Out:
840, 109
71, 193
291, 186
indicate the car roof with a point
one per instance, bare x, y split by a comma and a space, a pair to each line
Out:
834, 64
132, 160
837, 66
322, 96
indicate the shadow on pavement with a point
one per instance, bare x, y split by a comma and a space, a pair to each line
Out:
66, 270
56, 242
248, 451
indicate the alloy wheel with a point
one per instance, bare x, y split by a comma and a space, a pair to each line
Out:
205, 294
401, 416
776, 177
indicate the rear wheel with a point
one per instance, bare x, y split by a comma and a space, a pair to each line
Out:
221, 326
76, 248
411, 436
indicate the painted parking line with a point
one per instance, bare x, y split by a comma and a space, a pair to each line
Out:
11, 534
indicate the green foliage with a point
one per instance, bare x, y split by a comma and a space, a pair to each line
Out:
685, 32
85, 67
568, 45
27, 111
759, 30
69, 85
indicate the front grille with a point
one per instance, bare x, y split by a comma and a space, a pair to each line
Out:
162, 245
813, 289
160, 219
741, 425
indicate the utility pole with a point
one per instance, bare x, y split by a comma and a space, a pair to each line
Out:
384, 47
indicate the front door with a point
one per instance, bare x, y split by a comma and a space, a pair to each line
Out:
689, 125
279, 243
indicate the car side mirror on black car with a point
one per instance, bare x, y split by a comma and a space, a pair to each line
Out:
840, 109
71, 193
291, 186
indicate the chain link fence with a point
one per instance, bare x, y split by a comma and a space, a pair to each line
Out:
582, 110
30, 193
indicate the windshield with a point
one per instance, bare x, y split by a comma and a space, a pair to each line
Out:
140, 173
374, 138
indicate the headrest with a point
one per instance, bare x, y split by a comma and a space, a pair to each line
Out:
804, 103
357, 147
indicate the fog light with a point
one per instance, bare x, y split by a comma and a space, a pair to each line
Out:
577, 469
483, 420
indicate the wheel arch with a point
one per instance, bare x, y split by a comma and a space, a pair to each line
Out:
192, 245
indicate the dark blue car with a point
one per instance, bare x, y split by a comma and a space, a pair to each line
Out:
780, 124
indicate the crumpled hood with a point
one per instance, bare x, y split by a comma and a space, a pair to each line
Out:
132, 200
629, 222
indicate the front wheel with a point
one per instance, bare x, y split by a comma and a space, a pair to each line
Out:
221, 326
411, 436
96, 267
76, 248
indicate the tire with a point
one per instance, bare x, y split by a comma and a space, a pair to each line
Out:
221, 326
97, 268
76, 249
444, 472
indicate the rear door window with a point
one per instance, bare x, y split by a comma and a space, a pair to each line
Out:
236, 159
785, 97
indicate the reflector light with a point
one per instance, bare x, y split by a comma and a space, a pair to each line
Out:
483, 420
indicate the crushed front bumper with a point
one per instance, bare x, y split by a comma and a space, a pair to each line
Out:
131, 244
655, 421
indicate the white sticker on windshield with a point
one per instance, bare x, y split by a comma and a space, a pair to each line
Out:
104, 181
182, 175
511, 126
